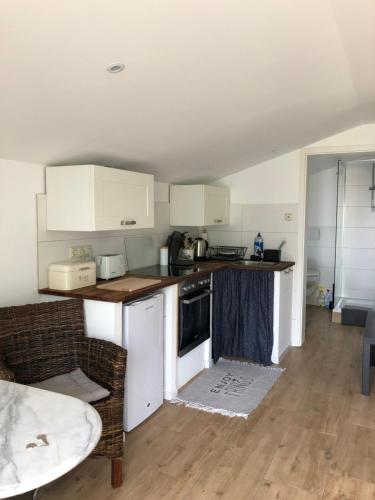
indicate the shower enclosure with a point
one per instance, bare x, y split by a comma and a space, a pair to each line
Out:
354, 266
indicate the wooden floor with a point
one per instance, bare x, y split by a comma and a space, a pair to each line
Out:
312, 437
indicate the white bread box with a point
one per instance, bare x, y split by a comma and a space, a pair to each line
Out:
70, 275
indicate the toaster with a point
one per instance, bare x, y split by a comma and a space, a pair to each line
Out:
110, 266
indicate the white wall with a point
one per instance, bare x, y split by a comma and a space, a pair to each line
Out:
19, 183
271, 182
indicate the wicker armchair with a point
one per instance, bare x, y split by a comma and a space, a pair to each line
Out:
39, 341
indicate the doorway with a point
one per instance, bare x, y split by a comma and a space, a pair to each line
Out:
340, 231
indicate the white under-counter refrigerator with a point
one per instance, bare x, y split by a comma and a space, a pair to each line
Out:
143, 332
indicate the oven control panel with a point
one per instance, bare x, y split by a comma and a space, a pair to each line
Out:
204, 282
188, 288
197, 284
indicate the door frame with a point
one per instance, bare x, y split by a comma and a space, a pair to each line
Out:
299, 337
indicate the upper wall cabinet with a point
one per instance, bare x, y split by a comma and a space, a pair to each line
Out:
94, 198
199, 205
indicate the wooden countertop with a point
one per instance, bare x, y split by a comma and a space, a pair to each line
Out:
94, 293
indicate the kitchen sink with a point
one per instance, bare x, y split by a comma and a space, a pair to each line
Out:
255, 263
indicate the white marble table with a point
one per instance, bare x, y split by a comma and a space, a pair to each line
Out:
43, 435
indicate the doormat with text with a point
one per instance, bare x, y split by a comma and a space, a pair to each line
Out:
231, 388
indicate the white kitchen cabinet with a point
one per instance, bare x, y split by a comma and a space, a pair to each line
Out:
96, 198
282, 313
199, 205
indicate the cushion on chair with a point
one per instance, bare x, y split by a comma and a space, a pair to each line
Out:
75, 384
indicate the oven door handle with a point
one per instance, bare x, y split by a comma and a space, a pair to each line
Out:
199, 297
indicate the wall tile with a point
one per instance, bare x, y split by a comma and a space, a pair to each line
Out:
270, 218
359, 238
340, 237
161, 217
229, 238
358, 280
57, 251
320, 257
272, 241
338, 282
54, 246
159, 240
235, 219
321, 200
312, 233
353, 293
326, 278
358, 174
358, 259
357, 196
340, 216
161, 191
326, 239
114, 244
248, 241
359, 217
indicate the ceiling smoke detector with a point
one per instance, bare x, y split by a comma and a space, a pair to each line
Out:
115, 68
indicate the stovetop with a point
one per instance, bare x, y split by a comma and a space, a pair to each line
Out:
166, 271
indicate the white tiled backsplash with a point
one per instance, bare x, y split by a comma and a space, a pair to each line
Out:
247, 220
53, 246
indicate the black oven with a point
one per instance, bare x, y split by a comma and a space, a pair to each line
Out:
194, 314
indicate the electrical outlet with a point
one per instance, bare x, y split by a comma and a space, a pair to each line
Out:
288, 216
80, 252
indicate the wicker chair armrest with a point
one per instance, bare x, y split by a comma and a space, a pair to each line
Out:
105, 363
5, 373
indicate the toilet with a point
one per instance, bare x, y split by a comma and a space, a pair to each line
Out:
312, 281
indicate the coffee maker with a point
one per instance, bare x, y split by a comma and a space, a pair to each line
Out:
175, 243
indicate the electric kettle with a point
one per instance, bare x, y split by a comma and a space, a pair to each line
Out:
200, 249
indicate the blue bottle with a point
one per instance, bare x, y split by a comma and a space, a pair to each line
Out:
258, 245
327, 298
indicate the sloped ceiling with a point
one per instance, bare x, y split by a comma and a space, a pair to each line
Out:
210, 86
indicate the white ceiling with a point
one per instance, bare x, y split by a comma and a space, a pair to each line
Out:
210, 86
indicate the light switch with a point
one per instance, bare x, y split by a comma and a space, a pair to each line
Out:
288, 216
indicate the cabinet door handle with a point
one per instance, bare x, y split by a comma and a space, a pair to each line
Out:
217, 221
128, 222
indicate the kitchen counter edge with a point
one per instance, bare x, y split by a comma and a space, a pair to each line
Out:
93, 293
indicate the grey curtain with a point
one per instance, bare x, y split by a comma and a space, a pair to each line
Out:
243, 315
